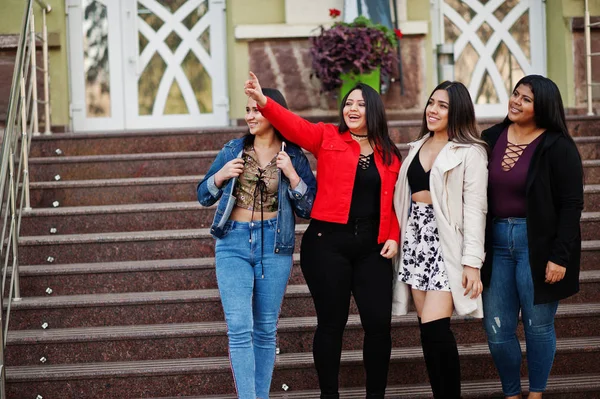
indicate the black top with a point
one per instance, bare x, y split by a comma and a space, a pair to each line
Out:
418, 179
366, 193
554, 195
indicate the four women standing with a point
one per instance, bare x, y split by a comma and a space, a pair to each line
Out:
441, 196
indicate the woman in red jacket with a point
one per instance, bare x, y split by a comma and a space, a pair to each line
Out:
353, 235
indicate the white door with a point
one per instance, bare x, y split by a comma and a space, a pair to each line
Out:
96, 72
167, 64
496, 43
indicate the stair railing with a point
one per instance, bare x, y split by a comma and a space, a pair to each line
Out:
21, 124
588, 57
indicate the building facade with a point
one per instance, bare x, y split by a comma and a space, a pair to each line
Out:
152, 64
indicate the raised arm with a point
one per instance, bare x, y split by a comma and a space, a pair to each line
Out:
294, 128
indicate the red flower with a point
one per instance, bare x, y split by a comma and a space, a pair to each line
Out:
334, 12
398, 33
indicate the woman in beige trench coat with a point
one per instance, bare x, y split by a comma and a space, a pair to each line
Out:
441, 203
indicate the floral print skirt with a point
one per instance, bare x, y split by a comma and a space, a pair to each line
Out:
422, 261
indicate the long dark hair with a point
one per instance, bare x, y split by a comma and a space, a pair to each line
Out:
276, 96
462, 126
548, 110
377, 127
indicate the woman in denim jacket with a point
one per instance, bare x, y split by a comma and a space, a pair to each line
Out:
261, 184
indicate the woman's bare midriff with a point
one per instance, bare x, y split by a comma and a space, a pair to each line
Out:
245, 215
423, 196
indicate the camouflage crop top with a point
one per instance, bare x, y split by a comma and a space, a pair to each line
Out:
256, 185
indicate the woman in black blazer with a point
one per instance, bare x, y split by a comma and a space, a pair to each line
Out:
533, 240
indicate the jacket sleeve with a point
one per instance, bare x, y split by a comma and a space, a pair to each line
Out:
394, 227
567, 187
208, 192
474, 206
303, 196
293, 127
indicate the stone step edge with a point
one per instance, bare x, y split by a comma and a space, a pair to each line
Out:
205, 263
144, 181
123, 236
120, 267
140, 133
243, 129
161, 235
216, 328
132, 298
116, 209
470, 389
122, 157
221, 364
163, 297
130, 157
133, 181
162, 207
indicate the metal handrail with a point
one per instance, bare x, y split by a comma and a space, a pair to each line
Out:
588, 56
22, 123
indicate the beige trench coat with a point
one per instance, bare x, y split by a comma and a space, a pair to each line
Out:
458, 185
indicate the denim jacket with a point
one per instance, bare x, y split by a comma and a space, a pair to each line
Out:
300, 200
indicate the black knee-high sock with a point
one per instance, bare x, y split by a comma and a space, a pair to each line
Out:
441, 358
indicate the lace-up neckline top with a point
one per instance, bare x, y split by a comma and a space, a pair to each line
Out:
257, 187
508, 168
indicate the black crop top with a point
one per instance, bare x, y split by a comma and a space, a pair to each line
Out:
366, 193
418, 179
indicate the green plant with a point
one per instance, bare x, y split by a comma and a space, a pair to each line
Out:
359, 46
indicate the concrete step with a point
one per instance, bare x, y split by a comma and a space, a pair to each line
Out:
129, 276
160, 244
584, 386
206, 376
120, 246
121, 166
73, 144
155, 190
142, 142
590, 225
209, 339
116, 218
114, 191
591, 170
158, 216
135, 308
89, 167
590, 255
99, 277
591, 197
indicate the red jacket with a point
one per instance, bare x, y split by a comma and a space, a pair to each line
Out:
337, 159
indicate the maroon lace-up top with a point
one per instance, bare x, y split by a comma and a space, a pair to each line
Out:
508, 167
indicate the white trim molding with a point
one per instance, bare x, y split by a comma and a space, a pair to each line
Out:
286, 31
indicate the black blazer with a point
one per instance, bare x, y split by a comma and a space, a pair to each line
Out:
554, 204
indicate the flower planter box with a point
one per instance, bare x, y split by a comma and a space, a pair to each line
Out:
350, 79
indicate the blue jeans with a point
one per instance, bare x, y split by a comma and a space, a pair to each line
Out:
511, 290
251, 303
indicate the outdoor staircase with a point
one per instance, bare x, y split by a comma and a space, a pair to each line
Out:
119, 290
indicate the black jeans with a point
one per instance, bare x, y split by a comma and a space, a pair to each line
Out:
339, 260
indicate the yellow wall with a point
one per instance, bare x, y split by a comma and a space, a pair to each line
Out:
574, 8
559, 42
11, 17
245, 12
418, 10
